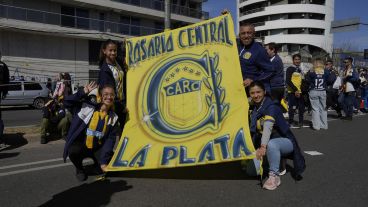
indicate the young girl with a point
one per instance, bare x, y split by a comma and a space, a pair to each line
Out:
93, 128
317, 79
111, 73
272, 135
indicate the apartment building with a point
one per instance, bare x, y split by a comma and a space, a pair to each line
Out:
40, 38
299, 26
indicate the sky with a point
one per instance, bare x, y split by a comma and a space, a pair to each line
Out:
344, 9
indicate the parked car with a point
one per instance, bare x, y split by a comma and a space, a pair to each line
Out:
26, 93
92, 95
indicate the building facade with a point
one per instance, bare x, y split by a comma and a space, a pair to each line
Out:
298, 26
41, 38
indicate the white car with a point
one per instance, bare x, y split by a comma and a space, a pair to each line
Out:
26, 93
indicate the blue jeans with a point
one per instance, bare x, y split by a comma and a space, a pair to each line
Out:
276, 148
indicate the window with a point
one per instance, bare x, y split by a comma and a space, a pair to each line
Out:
15, 86
74, 17
94, 51
124, 27
30, 86
93, 75
82, 18
136, 29
67, 16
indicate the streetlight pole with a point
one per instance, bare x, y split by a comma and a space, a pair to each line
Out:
167, 14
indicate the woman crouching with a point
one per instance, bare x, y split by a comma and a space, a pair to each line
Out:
94, 128
272, 135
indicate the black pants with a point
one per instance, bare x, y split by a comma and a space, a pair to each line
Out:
78, 151
1, 122
119, 110
296, 103
333, 100
277, 93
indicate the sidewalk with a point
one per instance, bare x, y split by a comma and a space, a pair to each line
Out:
30, 133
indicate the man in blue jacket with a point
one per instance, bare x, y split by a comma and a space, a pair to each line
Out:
350, 81
277, 82
254, 61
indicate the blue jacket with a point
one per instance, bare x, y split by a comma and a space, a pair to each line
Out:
80, 123
255, 63
316, 81
277, 79
105, 77
280, 129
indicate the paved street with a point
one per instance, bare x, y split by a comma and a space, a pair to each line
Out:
34, 175
21, 116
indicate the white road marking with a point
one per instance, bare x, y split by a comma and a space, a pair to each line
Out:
34, 169
85, 162
313, 153
31, 163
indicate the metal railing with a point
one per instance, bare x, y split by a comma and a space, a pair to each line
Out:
62, 20
253, 11
257, 24
160, 6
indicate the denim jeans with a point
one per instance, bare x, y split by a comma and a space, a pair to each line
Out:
319, 112
276, 148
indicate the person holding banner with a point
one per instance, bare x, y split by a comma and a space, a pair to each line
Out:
272, 136
94, 128
254, 61
111, 73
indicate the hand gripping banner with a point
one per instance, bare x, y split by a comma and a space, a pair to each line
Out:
187, 105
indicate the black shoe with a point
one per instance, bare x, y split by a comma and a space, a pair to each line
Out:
43, 139
339, 115
81, 175
347, 118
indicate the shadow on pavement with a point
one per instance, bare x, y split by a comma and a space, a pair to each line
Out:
7, 155
93, 194
221, 171
16, 108
15, 140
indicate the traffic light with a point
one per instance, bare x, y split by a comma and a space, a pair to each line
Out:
365, 53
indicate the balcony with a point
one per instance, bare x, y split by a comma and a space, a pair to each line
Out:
252, 11
160, 6
68, 21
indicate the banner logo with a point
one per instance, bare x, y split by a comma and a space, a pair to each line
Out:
188, 89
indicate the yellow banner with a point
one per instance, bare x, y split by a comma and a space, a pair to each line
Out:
187, 105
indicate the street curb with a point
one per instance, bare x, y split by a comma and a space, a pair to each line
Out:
30, 132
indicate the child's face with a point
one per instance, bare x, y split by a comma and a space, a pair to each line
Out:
110, 52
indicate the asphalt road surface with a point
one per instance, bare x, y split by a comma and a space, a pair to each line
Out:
34, 175
21, 116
